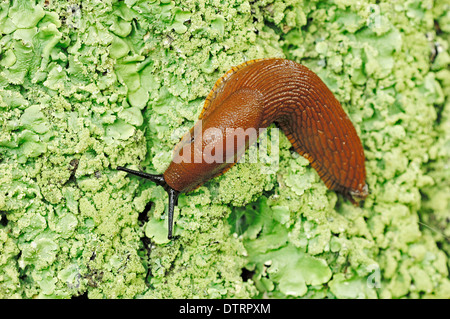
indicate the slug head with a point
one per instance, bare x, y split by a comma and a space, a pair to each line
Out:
216, 142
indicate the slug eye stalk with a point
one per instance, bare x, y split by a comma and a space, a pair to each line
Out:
159, 180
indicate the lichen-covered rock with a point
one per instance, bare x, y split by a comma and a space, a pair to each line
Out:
89, 85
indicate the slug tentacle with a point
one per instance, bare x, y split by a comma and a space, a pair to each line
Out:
159, 180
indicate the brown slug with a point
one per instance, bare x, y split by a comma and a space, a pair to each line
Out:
256, 94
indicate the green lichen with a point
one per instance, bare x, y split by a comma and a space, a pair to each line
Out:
86, 86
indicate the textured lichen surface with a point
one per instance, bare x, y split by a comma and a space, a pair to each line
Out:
89, 85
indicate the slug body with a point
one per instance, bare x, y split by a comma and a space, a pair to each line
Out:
254, 95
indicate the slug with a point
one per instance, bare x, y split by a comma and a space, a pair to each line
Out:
256, 94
